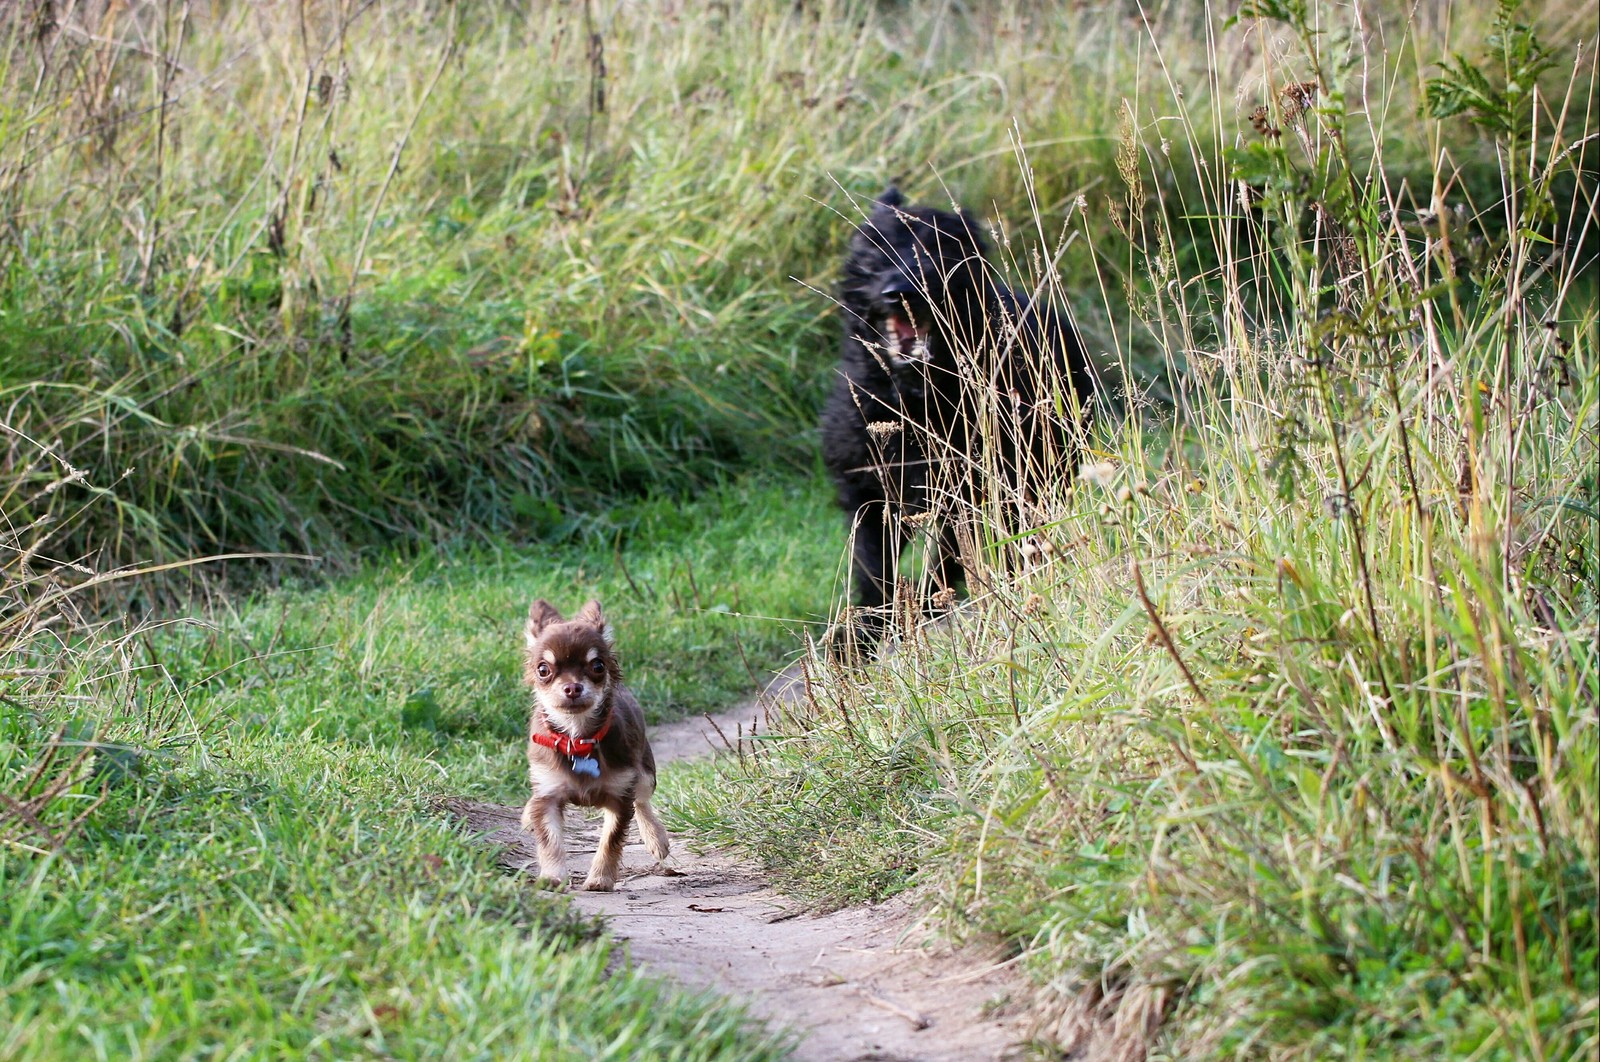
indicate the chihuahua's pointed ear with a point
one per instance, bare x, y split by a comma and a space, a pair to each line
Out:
541, 614
592, 615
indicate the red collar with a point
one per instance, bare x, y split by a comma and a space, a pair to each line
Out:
571, 746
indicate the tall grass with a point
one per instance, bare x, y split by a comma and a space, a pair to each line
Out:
315, 275
1278, 733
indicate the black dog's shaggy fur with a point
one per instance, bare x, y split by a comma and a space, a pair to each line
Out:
931, 344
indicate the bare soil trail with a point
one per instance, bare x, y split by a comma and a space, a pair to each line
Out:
855, 984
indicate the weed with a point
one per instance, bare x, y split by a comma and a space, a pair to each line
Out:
1275, 736
321, 277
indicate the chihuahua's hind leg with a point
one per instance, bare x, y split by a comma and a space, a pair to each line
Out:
613, 835
651, 831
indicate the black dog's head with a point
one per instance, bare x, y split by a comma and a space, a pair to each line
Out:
914, 278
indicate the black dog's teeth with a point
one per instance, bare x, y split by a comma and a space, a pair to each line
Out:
905, 340
897, 333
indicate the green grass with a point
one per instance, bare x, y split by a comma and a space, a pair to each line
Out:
268, 876
294, 900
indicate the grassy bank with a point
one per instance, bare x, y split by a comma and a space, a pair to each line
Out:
316, 277
263, 874
1279, 739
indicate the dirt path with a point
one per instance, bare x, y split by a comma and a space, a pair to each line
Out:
861, 983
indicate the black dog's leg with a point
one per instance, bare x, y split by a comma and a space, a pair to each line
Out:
875, 554
948, 572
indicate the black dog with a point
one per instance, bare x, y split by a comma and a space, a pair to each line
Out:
934, 346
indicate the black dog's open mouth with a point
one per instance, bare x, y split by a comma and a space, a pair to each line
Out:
907, 342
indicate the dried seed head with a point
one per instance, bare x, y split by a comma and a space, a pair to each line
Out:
1295, 100
1098, 472
1127, 155
1261, 118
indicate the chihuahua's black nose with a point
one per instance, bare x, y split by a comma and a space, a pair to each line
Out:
573, 690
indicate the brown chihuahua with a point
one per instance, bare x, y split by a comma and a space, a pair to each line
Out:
586, 742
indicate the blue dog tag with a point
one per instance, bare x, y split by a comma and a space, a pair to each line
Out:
586, 765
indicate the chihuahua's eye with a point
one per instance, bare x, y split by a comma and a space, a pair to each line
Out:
597, 668
544, 671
